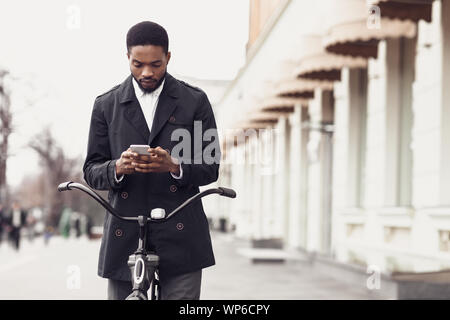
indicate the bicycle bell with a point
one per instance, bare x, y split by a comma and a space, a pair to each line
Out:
158, 213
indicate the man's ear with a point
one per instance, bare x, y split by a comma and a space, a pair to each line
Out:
168, 57
128, 55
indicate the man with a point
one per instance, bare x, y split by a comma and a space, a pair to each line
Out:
17, 219
147, 108
2, 222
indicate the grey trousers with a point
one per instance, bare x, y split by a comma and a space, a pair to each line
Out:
183, 287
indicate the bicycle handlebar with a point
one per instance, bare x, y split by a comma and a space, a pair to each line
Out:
230, 193
69, 185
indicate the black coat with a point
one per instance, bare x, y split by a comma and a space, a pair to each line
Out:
183, 242
8, 219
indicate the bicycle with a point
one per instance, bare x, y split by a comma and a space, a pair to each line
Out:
144, 264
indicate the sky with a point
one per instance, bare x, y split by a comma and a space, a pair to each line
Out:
62, 54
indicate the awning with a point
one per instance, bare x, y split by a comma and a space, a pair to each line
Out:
264, 118
354, 32
257, 119
251, 125
317, 64
247, 125
264, 114
278, 105
297, 88
414, 10
267, 112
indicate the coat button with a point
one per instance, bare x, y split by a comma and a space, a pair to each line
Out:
124, 195
172, 119
173, 188
180, 226
119, 232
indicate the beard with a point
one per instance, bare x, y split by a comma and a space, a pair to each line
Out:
150, 90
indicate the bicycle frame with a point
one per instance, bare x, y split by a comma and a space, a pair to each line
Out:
144, 265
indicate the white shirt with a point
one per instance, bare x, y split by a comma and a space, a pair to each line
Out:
16, 218
148, 103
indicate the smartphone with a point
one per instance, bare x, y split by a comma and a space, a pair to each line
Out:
140, 149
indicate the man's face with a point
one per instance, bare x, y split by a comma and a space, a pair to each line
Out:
148, 65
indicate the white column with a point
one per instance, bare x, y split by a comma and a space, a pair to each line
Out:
256, 181
444, 183
313, 201
326, 168
357, 113
400, 55
280, 210
341, 192
349, 156
319, 188
267, 182
247, 198
238, 214
376, 131
341, 166
298, 178
229, 206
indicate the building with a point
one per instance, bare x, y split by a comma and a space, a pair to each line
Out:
343, 114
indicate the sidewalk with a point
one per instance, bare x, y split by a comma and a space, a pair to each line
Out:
65, 269
235, 277
50, 272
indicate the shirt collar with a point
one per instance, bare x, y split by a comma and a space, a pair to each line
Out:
140, 93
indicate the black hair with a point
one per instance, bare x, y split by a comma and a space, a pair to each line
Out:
147, 33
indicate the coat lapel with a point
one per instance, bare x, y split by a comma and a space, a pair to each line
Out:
166, 106
133, 112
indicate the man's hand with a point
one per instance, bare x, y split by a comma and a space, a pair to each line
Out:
158, 161
124, 164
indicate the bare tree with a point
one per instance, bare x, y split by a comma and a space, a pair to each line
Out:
30, 190
33, 192
58, 168
5, 131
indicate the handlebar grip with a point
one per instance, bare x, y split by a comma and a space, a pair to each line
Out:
226, 192
64, 186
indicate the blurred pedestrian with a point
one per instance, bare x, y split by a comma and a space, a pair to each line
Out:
77, 227
75, 224
17, 218
2, 222
64, 222
89, 227
48, 233
31, 224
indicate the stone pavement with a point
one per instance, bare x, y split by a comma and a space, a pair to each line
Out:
66, 269
235, 277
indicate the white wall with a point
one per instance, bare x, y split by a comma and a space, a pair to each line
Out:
393, 223
384, 231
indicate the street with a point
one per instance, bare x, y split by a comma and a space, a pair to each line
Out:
67, 269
